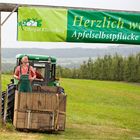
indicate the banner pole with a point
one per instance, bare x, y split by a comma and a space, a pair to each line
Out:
0, 76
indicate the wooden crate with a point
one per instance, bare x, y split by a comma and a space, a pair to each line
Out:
40, 111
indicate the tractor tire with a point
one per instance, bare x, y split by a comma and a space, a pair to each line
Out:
11, 99
10, 95
2, 102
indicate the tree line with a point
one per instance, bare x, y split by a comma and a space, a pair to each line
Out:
117, 68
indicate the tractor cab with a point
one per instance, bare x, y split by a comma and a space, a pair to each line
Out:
45, 67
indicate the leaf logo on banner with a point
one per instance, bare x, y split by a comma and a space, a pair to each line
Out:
30, 23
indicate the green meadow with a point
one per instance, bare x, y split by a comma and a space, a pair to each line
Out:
97, 110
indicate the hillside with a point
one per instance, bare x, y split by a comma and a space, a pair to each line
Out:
72, 52
99, 110
71, 57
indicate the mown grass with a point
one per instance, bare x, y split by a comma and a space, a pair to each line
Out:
5, 80
99, 110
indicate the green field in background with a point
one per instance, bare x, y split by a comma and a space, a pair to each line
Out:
97, 110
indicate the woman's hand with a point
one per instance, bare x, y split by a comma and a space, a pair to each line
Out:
16, 77
32, 78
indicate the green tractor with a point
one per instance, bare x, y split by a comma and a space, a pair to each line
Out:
46, 65
44, 108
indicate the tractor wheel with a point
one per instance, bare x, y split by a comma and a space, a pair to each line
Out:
2, 102
9, 95
11, 100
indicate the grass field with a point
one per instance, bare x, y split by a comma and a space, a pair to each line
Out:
97, 110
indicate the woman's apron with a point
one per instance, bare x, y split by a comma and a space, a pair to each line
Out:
24, 82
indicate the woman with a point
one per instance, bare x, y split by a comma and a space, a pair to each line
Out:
25, 74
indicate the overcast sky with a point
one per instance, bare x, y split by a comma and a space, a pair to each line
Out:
9, 28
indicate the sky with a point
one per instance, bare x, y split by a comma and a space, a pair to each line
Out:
9, 29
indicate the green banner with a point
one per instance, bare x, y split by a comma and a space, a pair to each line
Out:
42, 24
70, 25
